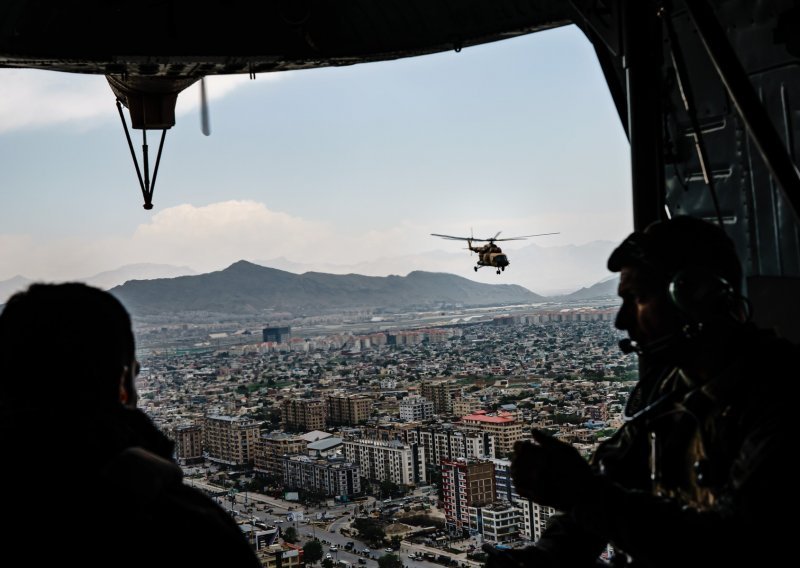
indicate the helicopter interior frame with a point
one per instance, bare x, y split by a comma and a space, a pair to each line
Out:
708, 91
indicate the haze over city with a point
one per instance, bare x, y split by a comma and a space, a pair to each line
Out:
310, 170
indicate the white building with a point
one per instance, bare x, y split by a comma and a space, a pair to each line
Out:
498, 522
415, 409
535, 518
378, 460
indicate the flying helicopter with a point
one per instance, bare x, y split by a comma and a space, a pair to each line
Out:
490, 254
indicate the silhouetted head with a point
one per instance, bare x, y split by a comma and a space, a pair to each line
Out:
677, 277
66, 344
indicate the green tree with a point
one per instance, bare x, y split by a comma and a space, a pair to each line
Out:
290, 535
327, 563
370, 530
312, 551
390, 561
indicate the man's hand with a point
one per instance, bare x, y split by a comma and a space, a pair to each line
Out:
550, 472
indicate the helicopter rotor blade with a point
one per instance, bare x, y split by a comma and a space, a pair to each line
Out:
523, 237
451, 237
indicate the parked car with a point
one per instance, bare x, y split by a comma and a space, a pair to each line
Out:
362, 561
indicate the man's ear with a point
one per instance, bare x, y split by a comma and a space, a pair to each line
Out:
127, 389
124, 395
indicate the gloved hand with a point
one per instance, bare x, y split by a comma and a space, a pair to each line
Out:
530, 557
550, 472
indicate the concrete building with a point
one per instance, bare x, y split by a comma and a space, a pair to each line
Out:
465, 405
504, 427
465, 484
497, 522
450, 444
331, 476
441, 393
188, 443
415, 409
535, 518
272, 448
230, 440
276, 334
503, 482
348, 409
283, 555
303, 414
402, 464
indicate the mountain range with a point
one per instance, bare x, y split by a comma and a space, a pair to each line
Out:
105, 280
545, 270
247, 288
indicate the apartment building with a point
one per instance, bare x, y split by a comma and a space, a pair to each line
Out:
503, 426
303, 414
465, 484
332, 477
188, 442
348, 409
465, 405
496, 522
441, 393
378, 460
535, 518
230, 440
442, 443
271, 449
415, 409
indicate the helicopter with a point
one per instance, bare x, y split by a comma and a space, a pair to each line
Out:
490, 254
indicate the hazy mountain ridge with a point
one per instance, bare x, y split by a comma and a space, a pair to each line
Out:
105, 280
245, 287
606, 288
549, 271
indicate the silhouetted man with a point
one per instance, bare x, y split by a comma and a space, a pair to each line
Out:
701, 469
87, 479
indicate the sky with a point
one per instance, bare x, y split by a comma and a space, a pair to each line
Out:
326, 166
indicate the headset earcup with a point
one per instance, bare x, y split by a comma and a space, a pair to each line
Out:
701, 295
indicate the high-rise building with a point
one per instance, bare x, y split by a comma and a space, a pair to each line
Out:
503, 426
348, 409
465, 484
188, 442
402, 464
503, 481
441, 393
450, 443
230, 440
272, 448
465, 405
332, 477
276, 334
415, 409
497, 522
535, 518
303, 414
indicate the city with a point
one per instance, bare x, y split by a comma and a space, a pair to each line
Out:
394, 439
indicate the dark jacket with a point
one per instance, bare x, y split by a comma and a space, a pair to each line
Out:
701, 473
99, 488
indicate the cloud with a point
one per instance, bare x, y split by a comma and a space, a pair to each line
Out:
32, 98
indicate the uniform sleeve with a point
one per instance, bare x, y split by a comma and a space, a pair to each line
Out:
742, 528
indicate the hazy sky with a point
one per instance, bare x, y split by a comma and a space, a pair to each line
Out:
340, 165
